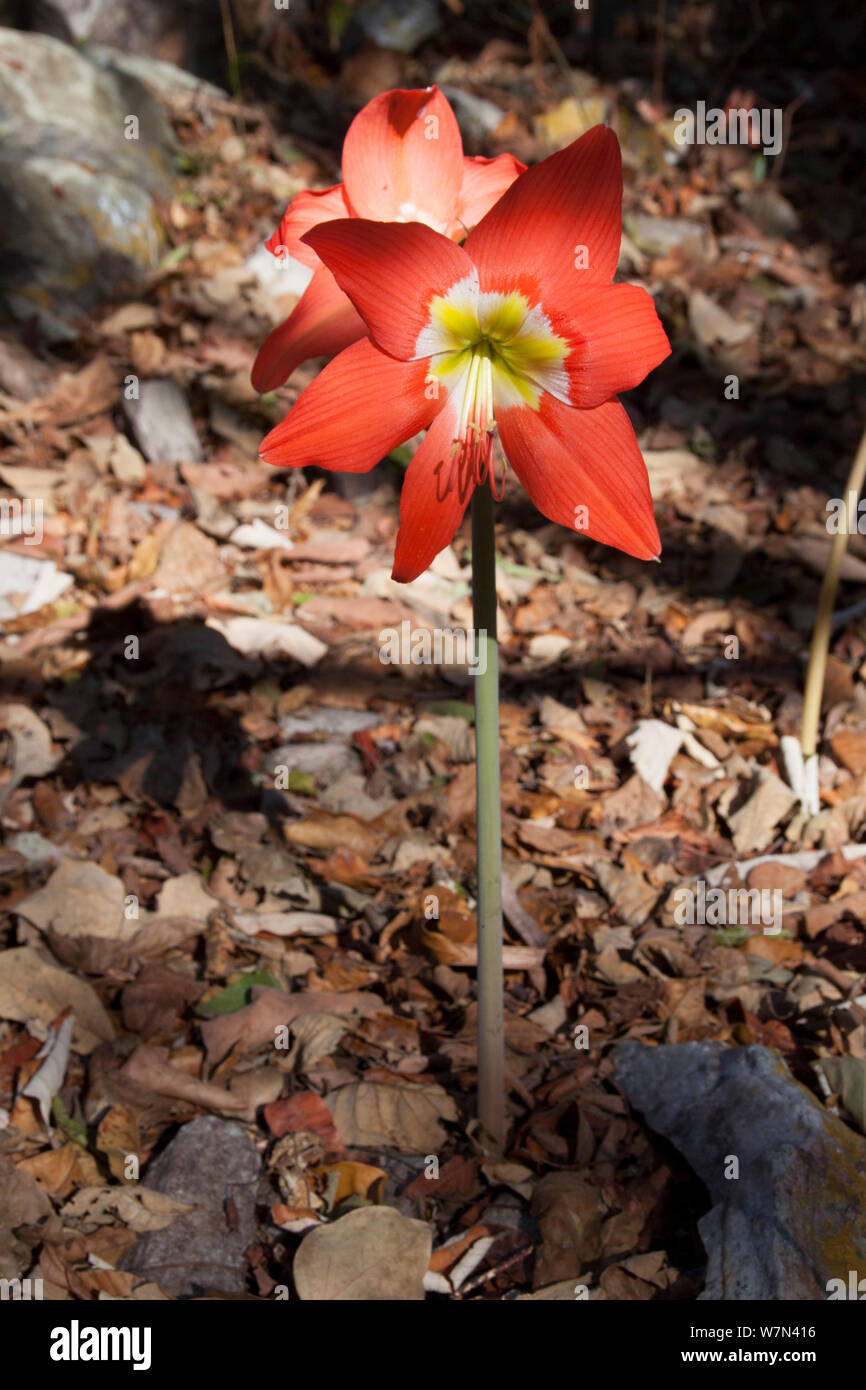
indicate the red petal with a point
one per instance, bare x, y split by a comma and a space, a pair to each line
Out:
322, 323
402, 156
430, 512
617, 340
359, 407
390, 271
306, 210
484, 182
568, 459
533, 236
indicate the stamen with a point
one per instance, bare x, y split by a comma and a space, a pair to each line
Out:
498, 496
472, 448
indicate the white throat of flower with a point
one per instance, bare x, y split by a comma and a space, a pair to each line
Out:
489, 351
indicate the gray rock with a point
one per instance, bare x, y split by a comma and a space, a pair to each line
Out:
398, 24
792, 1219
476, 117
208, 1162
166, 79
162, 423
167, 27
79, 210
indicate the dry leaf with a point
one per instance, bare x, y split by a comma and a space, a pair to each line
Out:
31, 988
45, 1083
140, 1208
374, 1254
407, 1118
81, 899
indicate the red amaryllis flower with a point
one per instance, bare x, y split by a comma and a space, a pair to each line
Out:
521, 332
403, 161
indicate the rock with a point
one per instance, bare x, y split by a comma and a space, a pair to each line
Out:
476, 117
171, 29
209, 1162
162, 423
84, 149
165, 79
766, 1236
401, 25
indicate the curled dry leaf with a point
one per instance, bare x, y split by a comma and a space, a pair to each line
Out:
149, 1066
45, 1083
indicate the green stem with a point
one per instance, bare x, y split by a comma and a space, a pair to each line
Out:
491, 1044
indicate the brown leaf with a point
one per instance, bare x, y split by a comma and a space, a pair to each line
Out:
849, 747
569, 1211
304, 1112
118, 1136
150, 1067
327, 832
271, 1010
371, 1254
407, 1118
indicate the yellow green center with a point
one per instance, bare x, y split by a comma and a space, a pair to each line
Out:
496, 341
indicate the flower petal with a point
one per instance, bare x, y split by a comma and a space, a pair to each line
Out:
617, 339
484, 182
583, 468
391, 271
536, 235
306, 210
403, 159
430, 510
322, 323
359, 407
